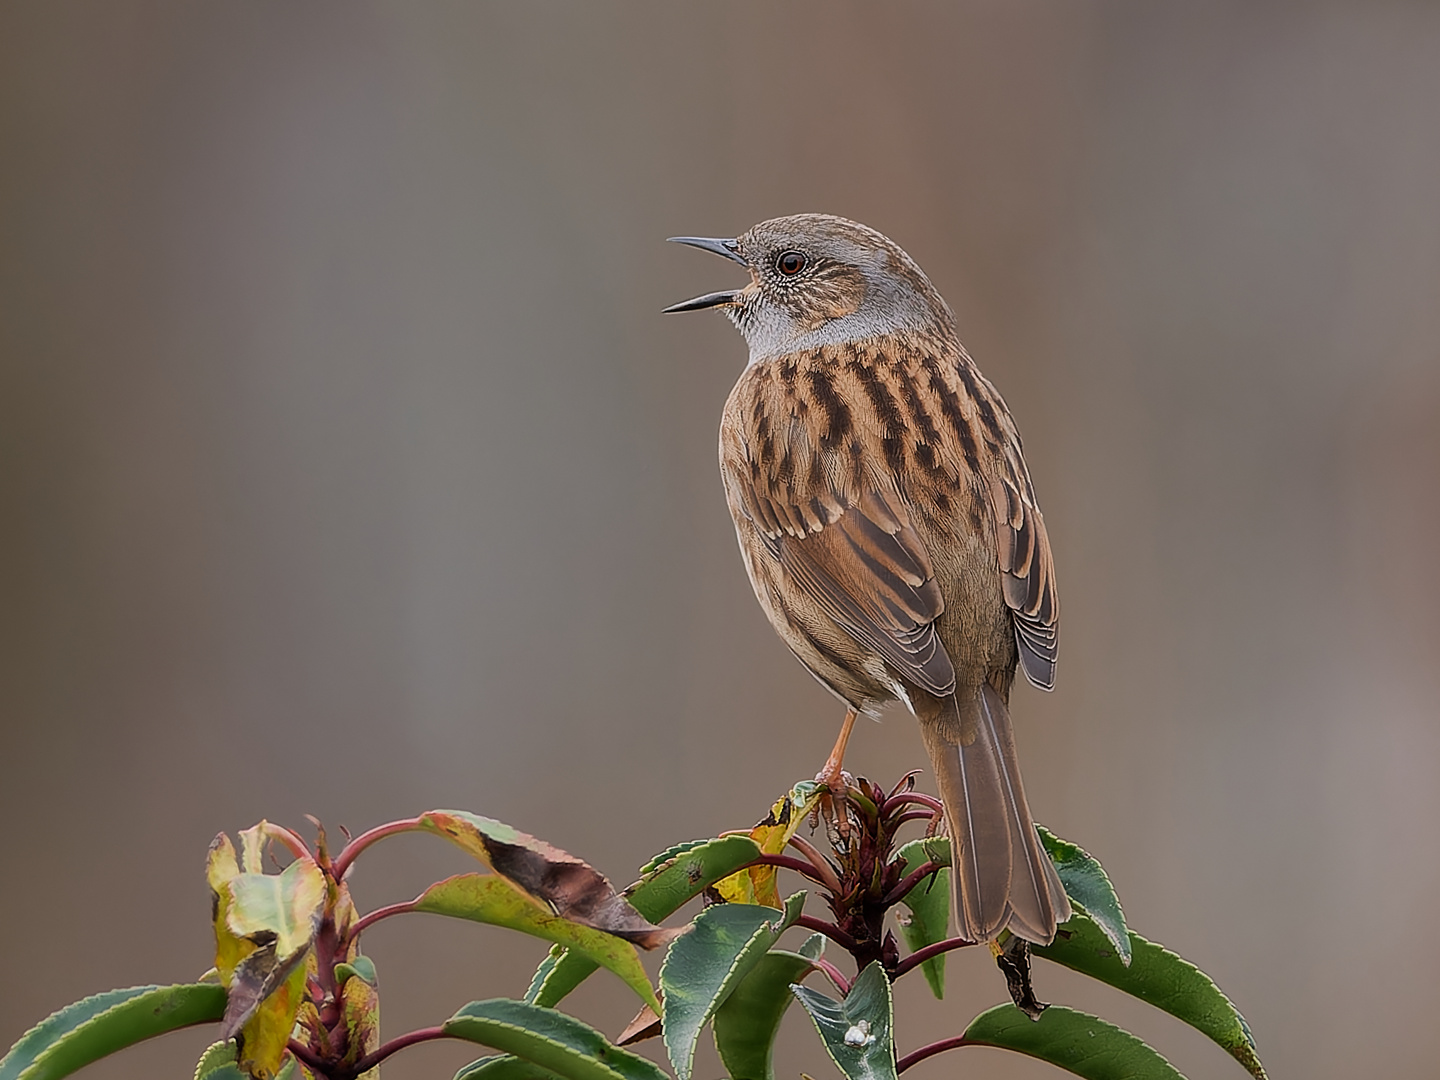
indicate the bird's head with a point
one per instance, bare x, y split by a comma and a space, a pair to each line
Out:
820, 280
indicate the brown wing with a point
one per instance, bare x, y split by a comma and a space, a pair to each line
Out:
861, 562
1026, 567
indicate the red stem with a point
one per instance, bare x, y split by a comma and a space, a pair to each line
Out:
917, 798
804, 869
834, 974
366, 921
919, 956
375, 1057
365, 839
822, 867
289, 839
930, 1051
830, 930
908, 882
906, 784
306, 1055
913, 815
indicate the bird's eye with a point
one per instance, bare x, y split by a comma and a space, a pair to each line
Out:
790, 263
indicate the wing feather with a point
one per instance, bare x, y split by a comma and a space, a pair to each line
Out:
864, 566
1027, 568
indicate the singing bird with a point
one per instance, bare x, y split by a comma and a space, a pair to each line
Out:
890, 530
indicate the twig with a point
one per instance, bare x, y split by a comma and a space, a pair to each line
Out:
821, 864
907, 783
929, 952
287, 839
400, 1042
309, 1057
365, 839
918, 798
784, 862
909, 881
830, 930
366, 921
913, 815
930, 1051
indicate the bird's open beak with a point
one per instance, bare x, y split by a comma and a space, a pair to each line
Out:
730, 249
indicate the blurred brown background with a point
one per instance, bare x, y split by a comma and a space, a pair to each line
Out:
347, 466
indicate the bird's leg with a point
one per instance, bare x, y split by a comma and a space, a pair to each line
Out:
836, 783
833, 775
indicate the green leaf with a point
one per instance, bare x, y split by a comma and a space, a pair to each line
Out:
670, 853
489, 898
926, 920
674, 878
359, 967
1088, 886
1160, 977
704, 966
747, 1022
857, 1032
88, 1030
218, 1063
504, 1067
1077, 1042
546, 970
555, 1042
662, 892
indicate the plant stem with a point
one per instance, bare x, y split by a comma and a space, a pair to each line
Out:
308, 1057
907, 783
784, 862
919, 956
366, 921
821, 864
917, 798
913, 815
909, 881
830, 930
400, 1042
365, 839
930, 1051
288, 839
834, 974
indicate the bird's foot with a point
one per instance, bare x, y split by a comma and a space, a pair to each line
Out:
833, 807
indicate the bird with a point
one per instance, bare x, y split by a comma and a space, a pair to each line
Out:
890, 530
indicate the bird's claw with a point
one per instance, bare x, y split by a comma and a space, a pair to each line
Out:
834, 806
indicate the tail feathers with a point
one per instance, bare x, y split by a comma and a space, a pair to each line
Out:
1003, 878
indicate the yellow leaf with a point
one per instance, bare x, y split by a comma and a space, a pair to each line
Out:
288, 905
252, 848
264, 924
220, 864
756, 884
221, 868
264, 1037
360, 1004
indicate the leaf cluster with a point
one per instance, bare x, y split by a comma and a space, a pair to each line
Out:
295, 997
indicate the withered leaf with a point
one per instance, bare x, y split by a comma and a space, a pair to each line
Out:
256, 978
570, 887
646, 1025
1013, 959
